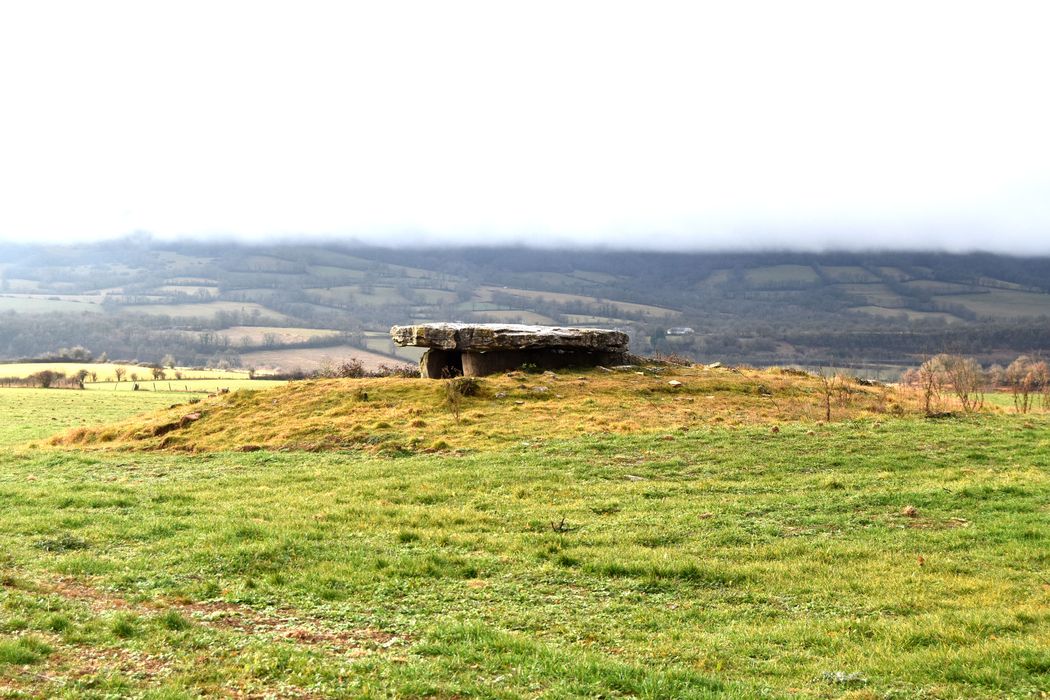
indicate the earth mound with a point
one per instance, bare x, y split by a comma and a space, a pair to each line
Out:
401, 416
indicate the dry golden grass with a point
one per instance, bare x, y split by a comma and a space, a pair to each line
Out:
412, 415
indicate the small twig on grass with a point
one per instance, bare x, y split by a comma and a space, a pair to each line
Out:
562, 526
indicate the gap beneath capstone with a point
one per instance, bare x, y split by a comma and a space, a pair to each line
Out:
440, 364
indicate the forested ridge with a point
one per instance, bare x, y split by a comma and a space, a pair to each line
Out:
139, 298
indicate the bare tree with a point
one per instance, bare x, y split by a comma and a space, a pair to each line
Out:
1027, 377
967, 380
830, 384
931, 384
46, 378
119, 373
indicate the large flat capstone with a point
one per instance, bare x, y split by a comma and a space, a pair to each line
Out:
476, 349
484, 337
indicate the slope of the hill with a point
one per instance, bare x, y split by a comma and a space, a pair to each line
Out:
411, 415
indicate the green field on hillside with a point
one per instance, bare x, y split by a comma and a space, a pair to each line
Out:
875, 557
106, 371
178, 386
1002, 303
908, 313
782, 274
36, 305
31, 414
208, 310
310, 359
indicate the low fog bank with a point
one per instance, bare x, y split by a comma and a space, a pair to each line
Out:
857, 241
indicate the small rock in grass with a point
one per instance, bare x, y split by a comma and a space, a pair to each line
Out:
843, 678
675, 383
501, 394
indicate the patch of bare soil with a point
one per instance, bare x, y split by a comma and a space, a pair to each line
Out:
74, 662
282, 623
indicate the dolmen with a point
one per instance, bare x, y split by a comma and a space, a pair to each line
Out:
477, 349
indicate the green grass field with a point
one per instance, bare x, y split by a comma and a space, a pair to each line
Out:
243, 336
177, 386
1005, 400
310, 359
485, 294
30, 414
353, 294
870, 558
1002, 303
208, 310
379, 342
782, 274
511, 317
907, 313
106, 371
849, 273
32, 305
875, 294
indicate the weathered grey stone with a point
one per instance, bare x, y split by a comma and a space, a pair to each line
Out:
478, 349
486, 337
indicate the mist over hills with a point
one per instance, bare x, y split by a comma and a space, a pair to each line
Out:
291, 305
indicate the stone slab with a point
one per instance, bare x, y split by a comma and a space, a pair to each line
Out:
488, 337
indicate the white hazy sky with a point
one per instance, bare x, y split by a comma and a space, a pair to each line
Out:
669, 125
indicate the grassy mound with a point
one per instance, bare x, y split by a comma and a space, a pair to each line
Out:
411, 415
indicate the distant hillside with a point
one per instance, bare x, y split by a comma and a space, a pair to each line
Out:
215, 303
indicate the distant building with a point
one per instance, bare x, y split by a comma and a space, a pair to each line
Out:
680, 330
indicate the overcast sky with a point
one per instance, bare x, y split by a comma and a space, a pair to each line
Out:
645, 124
